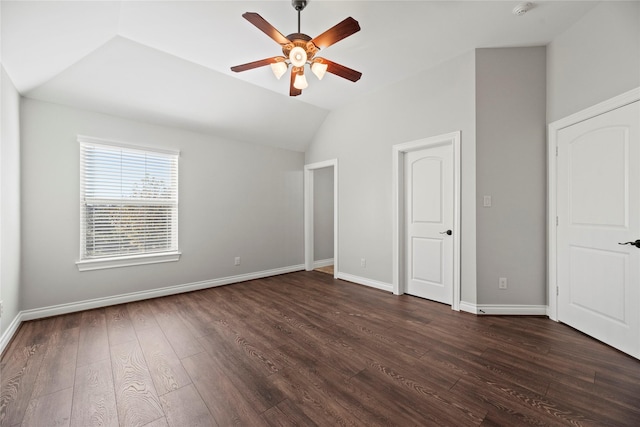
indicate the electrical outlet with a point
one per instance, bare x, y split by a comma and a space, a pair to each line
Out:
237, 261
502, 283
363, 262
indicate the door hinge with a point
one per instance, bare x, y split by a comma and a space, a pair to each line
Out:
557, 221
556, 151
557, 290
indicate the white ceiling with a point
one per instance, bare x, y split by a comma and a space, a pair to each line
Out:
168, 61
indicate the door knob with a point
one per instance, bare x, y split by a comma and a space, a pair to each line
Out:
636, 243
449, 233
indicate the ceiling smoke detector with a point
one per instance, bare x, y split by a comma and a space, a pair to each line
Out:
522, 8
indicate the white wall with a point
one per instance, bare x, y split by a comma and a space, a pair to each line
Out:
360, 135
323, 214
9, 201
511, 168
236, 199
594, 60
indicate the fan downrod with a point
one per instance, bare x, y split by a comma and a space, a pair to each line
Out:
299, 5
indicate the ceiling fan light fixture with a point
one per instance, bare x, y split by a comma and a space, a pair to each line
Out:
299, 49
279, 68
300, 81
319, 69
298, 56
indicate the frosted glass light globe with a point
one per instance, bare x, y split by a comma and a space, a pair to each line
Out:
319, 69
298, 56
279, 68
300, 82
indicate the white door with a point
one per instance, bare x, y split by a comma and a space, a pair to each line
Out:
429, 218
598, 197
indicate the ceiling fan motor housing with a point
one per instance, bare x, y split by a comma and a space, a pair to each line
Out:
300, 40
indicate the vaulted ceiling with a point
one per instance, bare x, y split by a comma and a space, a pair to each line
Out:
169, 62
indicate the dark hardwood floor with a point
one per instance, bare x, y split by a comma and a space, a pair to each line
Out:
305, 349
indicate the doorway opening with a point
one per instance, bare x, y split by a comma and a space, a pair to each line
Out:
321, 217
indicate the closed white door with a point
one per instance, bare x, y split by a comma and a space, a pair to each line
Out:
598, 199
429, 218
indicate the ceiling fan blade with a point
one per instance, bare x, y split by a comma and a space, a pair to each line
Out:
336, 33
255, 64
342, 71
292, 90
265, 27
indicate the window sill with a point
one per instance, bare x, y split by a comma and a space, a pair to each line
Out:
126, 261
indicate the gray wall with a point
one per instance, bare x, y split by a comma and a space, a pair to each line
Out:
9, 201
226, 212
323, 214
596, 59
511, 168
360, 135
236, 199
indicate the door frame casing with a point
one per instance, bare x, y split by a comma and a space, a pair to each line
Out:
398, 215
552, 183
308, 213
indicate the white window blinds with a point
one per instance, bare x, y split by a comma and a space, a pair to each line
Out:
128, 200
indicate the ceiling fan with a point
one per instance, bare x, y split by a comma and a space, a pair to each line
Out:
299, 49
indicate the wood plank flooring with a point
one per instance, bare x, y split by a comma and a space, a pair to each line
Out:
305, 349
328, 269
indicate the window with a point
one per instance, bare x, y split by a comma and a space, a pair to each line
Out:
128, 205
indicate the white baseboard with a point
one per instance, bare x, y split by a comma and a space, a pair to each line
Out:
323, 263
367, 282
55, 310
468, 307
506, 309
11, 330
503, 309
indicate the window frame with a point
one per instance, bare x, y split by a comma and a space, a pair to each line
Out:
123, 260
